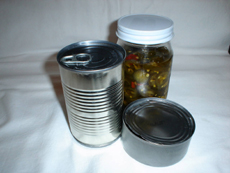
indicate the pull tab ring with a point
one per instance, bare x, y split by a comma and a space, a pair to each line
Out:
77, 59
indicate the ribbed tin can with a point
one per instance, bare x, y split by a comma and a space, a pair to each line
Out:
91, 74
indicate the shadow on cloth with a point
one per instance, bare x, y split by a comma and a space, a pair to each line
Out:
52, 69
112, 32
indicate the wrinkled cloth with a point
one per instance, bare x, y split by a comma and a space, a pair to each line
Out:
34, 130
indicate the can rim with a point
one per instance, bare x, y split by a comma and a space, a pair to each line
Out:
187, 121
119, 50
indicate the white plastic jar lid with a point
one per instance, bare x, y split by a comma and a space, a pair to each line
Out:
145, 29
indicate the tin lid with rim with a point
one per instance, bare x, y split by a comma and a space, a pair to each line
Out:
91, 56
145, 29
159, 121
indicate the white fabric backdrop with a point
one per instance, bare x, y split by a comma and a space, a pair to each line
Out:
34, 133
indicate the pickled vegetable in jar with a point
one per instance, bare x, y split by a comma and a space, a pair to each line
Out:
147, 67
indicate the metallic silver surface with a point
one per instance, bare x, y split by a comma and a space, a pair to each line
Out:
156, 132
91, 81
80, 58
91, 74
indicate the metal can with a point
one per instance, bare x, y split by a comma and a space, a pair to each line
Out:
156, 131
91, 74
147, 67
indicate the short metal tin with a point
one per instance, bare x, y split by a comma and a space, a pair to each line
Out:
91, 73
156, 131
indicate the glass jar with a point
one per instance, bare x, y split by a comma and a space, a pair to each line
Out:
147, 67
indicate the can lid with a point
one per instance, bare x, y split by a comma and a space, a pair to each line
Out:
145, 29
91, 56
160, 121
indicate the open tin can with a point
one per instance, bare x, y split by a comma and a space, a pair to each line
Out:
91, 74
156, 131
